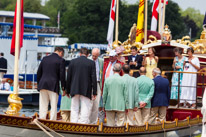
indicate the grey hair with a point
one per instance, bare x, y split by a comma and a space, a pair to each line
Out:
96, 50
117, 67
157, 71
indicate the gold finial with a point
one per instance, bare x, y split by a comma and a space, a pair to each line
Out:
15, 105
166, 35
116, 44
199, 45
203, 33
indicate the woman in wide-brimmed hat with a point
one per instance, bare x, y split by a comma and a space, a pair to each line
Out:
119, 51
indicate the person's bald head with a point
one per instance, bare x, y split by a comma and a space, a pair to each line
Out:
142, 71
95, 53
126, 68
156, 72
117, 68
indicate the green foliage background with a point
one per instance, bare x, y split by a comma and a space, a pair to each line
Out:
86, 21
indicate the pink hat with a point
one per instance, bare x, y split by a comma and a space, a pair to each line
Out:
119, 49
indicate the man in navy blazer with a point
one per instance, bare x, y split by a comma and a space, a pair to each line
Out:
3, 65
161, 98
50, 73
81, 85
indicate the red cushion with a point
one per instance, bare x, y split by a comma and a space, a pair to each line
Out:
181, 115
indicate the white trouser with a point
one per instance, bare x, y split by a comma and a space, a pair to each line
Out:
85, 109
115, 118
130, 117
44, 97
2, 75
95, 106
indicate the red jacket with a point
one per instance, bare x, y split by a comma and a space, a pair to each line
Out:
106, 63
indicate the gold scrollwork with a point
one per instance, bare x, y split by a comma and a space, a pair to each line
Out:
15, 104
182, 123
152, 39
3, 120
11, 121
137, 129
155, 127
169, 125
77, 128
114, 130
194, 121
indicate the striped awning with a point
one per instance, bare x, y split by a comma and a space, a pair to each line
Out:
88, 46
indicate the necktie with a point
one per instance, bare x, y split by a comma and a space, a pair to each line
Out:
108, 70
3, 87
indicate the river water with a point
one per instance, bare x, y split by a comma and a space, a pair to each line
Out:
27, 110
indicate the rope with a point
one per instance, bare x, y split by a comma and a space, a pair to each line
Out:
45, 128
35, 121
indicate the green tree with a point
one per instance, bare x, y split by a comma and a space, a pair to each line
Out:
7, 4
29, 5
197, 17
175, 21
191, 25
33, 6
87, 21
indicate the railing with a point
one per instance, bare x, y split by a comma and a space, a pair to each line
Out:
198, 85
23, 79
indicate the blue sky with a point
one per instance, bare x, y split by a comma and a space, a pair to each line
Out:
184, 4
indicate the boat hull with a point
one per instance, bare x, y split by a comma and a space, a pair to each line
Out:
17, 126
8, 131
30, 97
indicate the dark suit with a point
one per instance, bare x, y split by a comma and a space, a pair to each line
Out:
50, 72
3, 64
161, 92
160, 100
81, 77
138, 60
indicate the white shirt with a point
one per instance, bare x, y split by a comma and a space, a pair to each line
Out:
5, 86
133, 58
111, 72
97, 69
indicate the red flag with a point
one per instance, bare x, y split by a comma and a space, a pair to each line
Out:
12, 51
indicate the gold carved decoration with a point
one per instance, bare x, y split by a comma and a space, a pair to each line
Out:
152, 39
134, 129
183, 123
15, 104
71, 127
166, 35
169, 125
113, 129
198, 45
155, 127
14, 121
185, 40
194, 121
116, 44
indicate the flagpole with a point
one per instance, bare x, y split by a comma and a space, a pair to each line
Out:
17, 45
159, 29
163, 17
145, 25
58, 19
117, 23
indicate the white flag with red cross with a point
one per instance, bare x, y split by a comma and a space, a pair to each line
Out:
155, 12
111, 25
